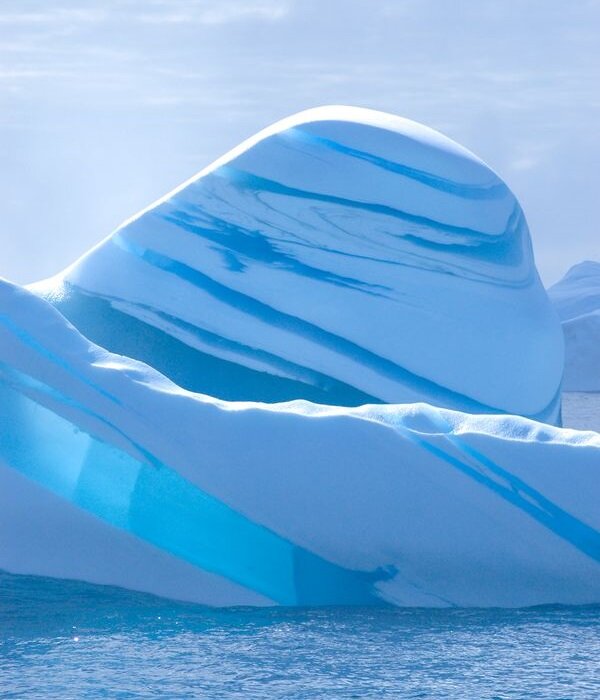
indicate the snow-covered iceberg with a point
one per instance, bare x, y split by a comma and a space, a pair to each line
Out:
342, 256
111, 473
577, 300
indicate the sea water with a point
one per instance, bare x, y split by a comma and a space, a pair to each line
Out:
63, 639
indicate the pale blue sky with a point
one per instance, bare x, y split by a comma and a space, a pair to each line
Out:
105, 106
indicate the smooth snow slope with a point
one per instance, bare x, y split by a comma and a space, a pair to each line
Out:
577, 300
110, 473
344, 256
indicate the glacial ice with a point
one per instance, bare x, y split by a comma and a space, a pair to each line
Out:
291, 381
577, 300
112, 474
343, 256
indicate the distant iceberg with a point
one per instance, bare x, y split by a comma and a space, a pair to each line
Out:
112, 474
577, 300
343, 256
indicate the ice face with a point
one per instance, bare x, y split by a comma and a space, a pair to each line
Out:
111, 473
342, 256
577, 300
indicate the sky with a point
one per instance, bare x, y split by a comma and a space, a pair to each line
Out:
106, 106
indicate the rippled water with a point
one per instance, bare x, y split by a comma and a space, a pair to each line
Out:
72, 640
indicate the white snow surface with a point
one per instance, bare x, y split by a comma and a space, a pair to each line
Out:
100, 456
344, 255
577, 300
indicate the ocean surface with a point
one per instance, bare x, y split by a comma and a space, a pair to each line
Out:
64, 639
72, 640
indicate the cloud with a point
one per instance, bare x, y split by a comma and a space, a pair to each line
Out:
216, 13
19, 74
524, 163
52, 16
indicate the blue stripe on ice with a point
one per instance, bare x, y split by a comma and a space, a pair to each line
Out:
502, 249
155, 503
493, 190
268, 314
203, 371
508, 486
240, 243
57, 360
289, 369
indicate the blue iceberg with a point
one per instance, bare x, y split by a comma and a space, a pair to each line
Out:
576, 298
305, 377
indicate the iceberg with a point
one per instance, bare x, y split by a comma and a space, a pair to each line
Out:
577, 300
343, 256
113, 474
322, 371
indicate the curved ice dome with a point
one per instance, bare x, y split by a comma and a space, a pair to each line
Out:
343, 256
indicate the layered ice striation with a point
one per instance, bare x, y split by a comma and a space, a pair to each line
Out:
577, 300
342, 256
110, 473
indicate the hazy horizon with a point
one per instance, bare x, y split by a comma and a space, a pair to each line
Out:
106, 106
